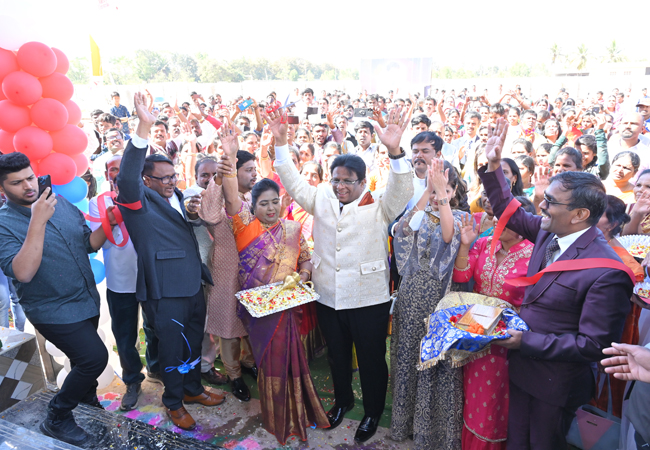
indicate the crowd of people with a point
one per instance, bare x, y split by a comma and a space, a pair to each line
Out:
387, 203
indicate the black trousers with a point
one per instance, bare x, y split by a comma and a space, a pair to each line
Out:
125, 309
365, 327
88, 358
164, 316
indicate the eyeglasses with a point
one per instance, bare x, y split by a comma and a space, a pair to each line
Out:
335, 182
553, 202
165, 180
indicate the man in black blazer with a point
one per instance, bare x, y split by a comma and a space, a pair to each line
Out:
169, 267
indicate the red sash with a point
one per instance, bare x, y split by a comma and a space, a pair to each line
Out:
503, 221
104, 220
574, 264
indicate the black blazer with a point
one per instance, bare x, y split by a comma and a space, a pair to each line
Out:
169, 262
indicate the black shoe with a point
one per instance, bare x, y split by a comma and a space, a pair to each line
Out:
367, 429
240, 390
94, 402
252, 371
130, 399
61, 426
212, 376
155, 377
336, 414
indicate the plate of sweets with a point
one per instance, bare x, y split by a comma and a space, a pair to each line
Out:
637, 245
275, 297
463, 327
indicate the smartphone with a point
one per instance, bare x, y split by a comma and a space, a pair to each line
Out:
43, 183
293, 120
312, 110
363, 112
245, 104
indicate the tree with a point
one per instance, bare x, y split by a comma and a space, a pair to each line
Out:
556, 53
581, 57
148, 64
79, 71
613, 54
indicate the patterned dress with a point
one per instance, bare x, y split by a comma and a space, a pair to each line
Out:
485, 380
426, 404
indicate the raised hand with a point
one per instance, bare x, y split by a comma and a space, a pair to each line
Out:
378, 117
225, 167
187, 133
392, 134
277, 121
141, 108
229, 140
541, 180
628, 362
642, 205
494, 145
438, 178
469, 230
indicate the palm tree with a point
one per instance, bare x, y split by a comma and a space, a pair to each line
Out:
581, 56
556, 53
613, 54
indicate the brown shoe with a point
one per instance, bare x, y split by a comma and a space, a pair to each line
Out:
182, 418
206, 399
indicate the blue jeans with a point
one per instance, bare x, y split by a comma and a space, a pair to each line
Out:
8, 297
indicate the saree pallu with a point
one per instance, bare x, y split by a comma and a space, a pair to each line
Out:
288, 398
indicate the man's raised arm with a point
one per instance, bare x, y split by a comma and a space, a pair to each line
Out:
129, 180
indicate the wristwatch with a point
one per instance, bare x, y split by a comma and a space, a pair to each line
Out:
443, 201
401, 155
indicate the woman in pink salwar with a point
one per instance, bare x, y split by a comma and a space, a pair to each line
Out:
485, 380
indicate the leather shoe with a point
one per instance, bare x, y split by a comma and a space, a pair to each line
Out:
336, 414
206, 399
182, 419
62, 426
212, 376
367, 429
240, 390
252, 371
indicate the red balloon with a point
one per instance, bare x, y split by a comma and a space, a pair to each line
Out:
71, 140
74, 112
6, 142
22, 88
81, 162
34, 165
8, 63
57, 86
37, 58
33, 142
49, 114
62, 63
13, 117
60, 167
2, 96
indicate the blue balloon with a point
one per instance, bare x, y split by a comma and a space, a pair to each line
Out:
92, 255
98, 270
74, 191
82, 205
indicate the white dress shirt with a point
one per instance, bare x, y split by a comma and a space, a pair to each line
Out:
566, 242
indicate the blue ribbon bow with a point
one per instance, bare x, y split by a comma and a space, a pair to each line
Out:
185, 366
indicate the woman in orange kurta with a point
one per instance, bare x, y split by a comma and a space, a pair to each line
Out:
610, 225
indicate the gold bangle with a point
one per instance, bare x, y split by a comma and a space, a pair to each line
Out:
306, 271
265, 158
462, 257
232, 175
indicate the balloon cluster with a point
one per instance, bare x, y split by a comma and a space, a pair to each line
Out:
38, 117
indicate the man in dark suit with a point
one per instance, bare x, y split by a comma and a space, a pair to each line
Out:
572, 315
169, 268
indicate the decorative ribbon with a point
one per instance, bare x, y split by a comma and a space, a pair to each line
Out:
186, 365
574, 264
105, 221
503, 221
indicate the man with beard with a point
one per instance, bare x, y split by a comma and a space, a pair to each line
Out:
115, 146
44, 247
573, 311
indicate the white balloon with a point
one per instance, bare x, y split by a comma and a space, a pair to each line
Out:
106, 378
52, 350
60, 378
102, 334
66, 365
12, 34
60, 359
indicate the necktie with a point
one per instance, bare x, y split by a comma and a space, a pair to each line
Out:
551, 248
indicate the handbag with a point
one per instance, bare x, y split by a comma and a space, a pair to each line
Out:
595, 429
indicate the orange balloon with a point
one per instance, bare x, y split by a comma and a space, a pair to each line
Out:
62, 62
37, 59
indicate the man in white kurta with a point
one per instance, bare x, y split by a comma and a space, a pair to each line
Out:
350, 262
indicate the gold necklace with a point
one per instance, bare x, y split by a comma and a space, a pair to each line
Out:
279, 248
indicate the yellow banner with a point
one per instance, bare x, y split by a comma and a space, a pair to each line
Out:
95, 58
